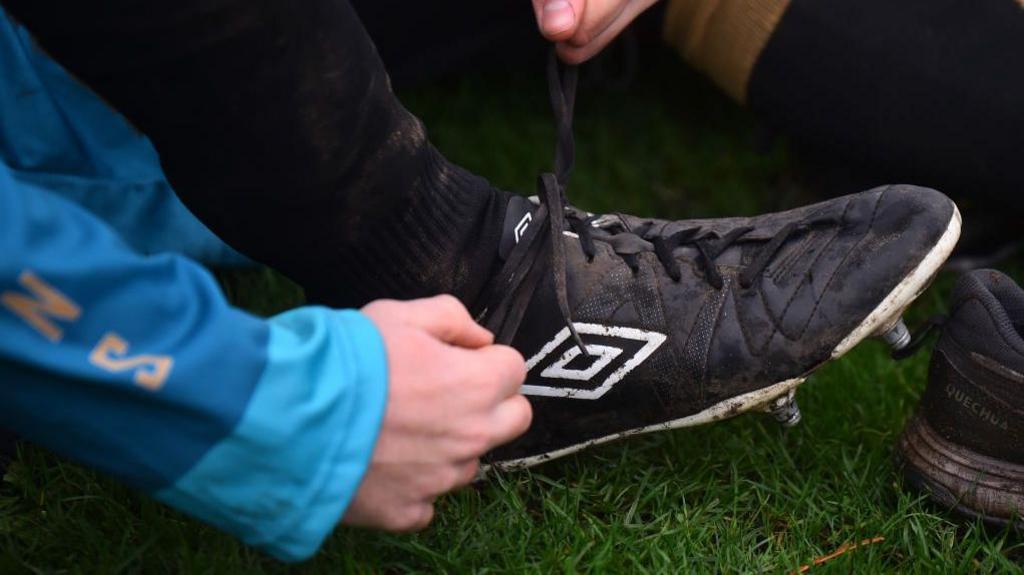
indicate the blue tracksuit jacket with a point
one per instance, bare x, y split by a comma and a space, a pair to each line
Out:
119, 351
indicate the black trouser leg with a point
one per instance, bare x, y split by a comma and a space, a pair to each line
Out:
423, 40
276, 125
919, 91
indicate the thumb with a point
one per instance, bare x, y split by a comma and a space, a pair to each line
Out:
445, 318
558, 19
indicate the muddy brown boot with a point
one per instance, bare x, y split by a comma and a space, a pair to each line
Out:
965, 445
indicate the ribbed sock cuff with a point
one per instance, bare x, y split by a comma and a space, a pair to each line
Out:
443, 238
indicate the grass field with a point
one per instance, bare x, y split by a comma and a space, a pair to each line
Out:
740, 496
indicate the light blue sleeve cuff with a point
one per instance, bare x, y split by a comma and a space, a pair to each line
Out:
282, 480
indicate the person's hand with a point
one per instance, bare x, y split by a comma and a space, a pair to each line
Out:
452, 396
582, 28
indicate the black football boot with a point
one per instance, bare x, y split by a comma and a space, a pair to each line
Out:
632, 325
965, 445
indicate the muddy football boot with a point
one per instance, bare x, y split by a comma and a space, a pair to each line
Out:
631, 325
965, 445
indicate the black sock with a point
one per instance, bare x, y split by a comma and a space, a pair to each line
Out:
276, 124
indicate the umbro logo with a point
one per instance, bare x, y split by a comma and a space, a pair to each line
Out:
560, 369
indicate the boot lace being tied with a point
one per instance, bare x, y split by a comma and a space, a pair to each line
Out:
555, 210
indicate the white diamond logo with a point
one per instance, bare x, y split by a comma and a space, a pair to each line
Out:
601, 356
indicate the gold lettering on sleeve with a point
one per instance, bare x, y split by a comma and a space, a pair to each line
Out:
41, 306
111, 354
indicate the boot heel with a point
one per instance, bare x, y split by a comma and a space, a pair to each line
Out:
971, 484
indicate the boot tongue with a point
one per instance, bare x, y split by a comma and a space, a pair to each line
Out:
518, 218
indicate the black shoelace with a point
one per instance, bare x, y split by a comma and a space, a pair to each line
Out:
521, 269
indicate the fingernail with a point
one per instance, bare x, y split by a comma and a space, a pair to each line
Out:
558, 16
